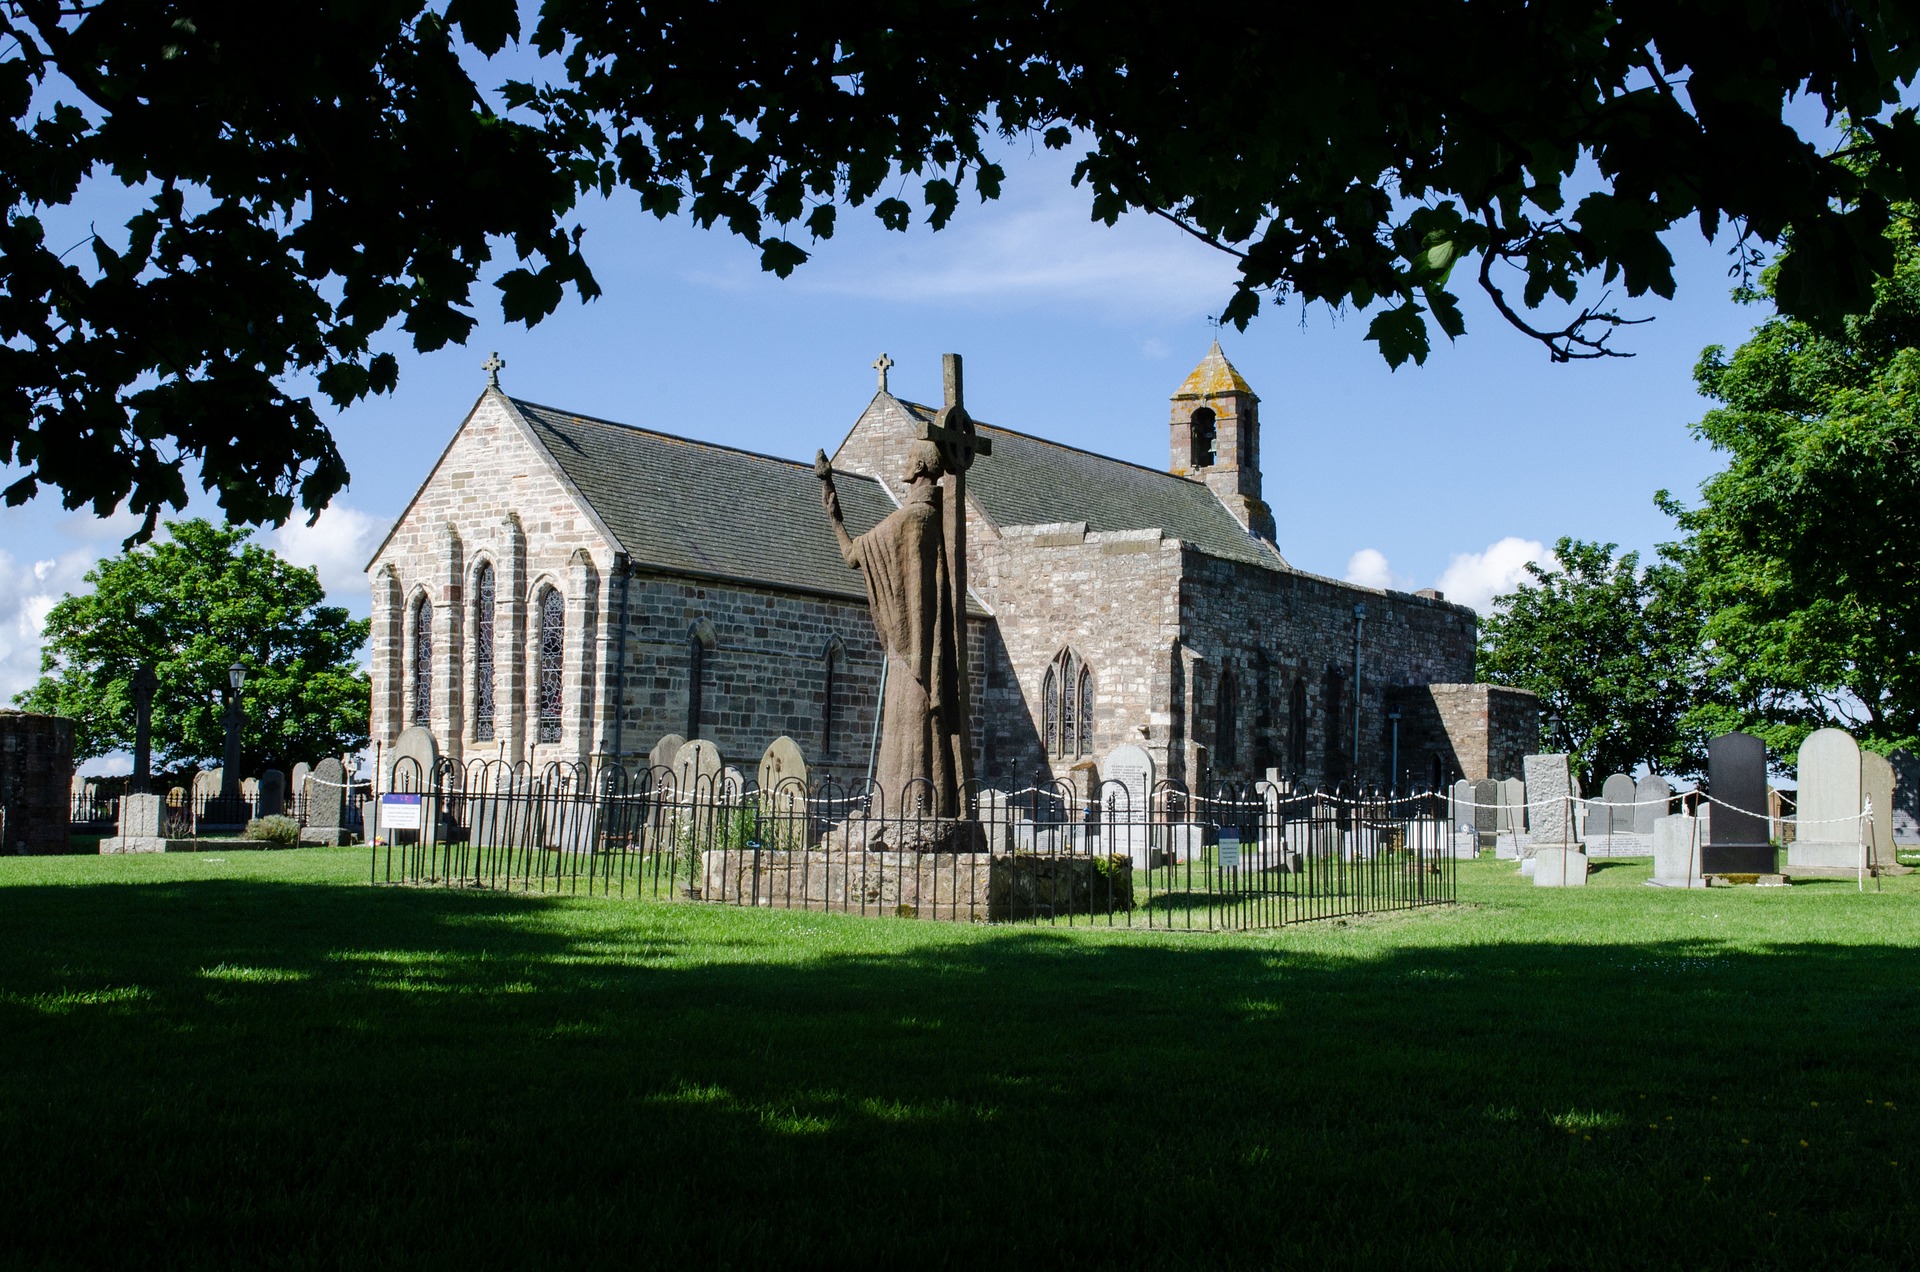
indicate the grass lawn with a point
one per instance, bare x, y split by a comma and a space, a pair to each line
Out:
245, 1058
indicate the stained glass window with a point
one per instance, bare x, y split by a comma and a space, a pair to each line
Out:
1086, 711
553, 646
423, 662
483, 603
1066, 696
1050, 711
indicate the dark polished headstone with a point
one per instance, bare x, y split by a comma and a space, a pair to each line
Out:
1737, 838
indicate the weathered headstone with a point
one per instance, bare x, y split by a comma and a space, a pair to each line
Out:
1559, 862
1617, 794
250, 789
1650, 802
1676, 852
996, 815
666, 753
1460, 805
1736, 838
142, 826
1906, 797
699, 770
410, 763
273, 793
326, 805
1876, 789
1826, 825
1486, 810
1513, 806
782, 765
1127, 800
206, 785
733, 783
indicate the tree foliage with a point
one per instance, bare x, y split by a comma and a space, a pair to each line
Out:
192, 604
1612, 650
303, 193
1806, 549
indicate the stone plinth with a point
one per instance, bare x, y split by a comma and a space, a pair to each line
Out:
142, 826
1676, 853
965, 886
1559, 868
36, 776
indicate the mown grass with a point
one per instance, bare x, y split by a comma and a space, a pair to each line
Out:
255, 1058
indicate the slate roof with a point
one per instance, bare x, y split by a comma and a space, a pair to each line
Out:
685, 506
1031, 481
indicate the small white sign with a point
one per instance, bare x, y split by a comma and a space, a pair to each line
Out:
1229, 850
400, 812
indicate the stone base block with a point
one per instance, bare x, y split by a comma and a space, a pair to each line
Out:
133, 843
1749, 880
927, 837
964, 886
326, 837
1559, 868
1804, 854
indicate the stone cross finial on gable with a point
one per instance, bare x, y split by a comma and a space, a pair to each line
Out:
883, 364
492, 367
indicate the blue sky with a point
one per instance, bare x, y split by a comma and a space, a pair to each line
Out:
1451, 474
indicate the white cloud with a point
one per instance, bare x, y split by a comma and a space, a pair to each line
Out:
338, 545
1475, 578
1369, 568
28, 591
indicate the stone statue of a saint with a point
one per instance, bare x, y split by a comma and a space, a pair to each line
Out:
910, 593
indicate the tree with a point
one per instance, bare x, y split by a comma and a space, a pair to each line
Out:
303, 196
1806, 549
192, 604
1612, 650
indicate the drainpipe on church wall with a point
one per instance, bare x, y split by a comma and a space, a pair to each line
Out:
1359, 629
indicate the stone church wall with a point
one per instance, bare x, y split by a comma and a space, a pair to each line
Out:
1271, 628
1475, 731
492, 496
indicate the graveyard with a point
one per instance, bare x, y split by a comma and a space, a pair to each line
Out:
239, 1056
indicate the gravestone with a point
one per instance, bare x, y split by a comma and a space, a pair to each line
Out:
1736, 838
1513, 806
1127, 800
1617, 793
1460, 805
273, 793
995, 813
782, 765
410, 763
1553, 846
206, 785
297, 787
326, 805
666, 753
1906, 797
250, 789
699, 770
733, 784
142, 826
1826, 825
1876, 787
1676, 852
1486, 810
1651, 800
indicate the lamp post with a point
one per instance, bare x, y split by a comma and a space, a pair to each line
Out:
236, 715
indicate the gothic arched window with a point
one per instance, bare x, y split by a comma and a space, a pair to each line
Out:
1226, 748
1066, 707
830, 674
483, 608
1203, 429
1297, 730
423, 662
553, 649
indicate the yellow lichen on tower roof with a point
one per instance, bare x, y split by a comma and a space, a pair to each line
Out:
1214, 376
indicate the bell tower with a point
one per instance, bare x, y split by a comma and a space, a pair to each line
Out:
1216, 439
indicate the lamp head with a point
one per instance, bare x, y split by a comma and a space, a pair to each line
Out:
237, 677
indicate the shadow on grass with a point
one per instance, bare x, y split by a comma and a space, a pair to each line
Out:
243, 1072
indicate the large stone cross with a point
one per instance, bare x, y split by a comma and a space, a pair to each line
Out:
883, 364
492, 367
953, 432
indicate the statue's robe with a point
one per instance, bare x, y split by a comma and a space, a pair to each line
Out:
910, 593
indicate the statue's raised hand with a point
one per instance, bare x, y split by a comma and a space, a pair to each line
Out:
821, 467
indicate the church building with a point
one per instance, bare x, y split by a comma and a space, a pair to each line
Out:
568, 588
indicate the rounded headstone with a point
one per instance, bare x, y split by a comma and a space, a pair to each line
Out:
666, 753
206, 783
698, 768
1736, 834
1131, 767
273, 792
327, 807
1617, 794
410, 762
1876, 785
1513, 805
1829, 799
1651, 798
782, 765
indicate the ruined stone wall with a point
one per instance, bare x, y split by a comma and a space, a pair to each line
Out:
1271, 628
493, 496
36, 782
1475, 731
